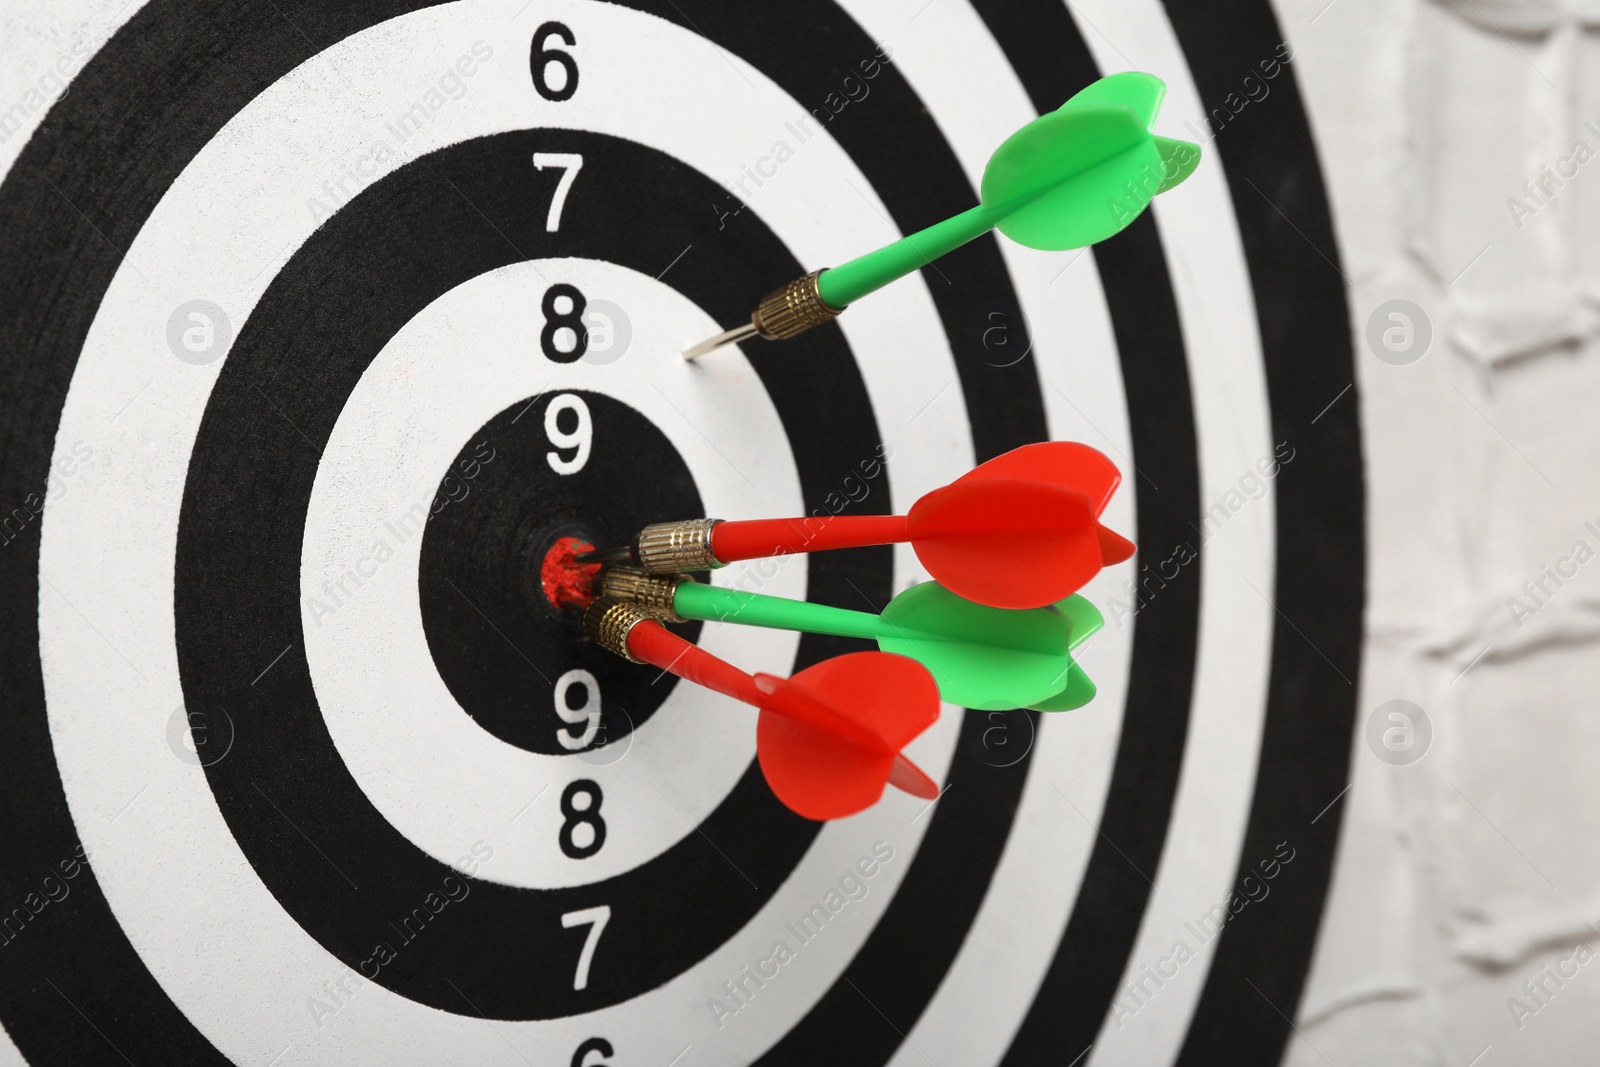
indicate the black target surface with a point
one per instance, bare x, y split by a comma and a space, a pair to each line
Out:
87, 181
978, 824
497, 641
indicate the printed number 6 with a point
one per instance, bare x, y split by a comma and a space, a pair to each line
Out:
543, 55
580, 438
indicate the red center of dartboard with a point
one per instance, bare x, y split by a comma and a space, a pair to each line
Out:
568, 583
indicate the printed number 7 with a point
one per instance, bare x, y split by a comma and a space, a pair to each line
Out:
595, 919
569, 163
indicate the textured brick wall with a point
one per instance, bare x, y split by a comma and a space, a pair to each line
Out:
1464, 875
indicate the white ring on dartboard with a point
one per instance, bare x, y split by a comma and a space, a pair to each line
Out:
421, 402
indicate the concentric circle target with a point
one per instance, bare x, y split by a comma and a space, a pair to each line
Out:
324, 324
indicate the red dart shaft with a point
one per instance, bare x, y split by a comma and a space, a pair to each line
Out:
757, 538
818, 754
657, 646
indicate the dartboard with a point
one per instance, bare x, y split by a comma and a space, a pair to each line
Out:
323, 323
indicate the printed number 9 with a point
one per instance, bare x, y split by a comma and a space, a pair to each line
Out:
581, 437
587, 712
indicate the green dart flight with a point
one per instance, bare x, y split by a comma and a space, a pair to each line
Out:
1065, 180
981, 657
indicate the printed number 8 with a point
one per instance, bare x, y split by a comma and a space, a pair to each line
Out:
556, 320
574, 817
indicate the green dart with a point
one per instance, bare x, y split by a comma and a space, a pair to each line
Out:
1083, 620
982, 657
1065, 180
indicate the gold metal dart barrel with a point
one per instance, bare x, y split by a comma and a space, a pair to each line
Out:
608, 621
670, 547
652, 593
792, 310
782, 313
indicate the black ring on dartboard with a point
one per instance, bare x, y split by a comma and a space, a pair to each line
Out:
434, 224
1254, 982
98, 153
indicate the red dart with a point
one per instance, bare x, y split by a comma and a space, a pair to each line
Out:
1020, 531
829, 738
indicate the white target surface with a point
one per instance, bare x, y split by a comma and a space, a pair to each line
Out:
320, 408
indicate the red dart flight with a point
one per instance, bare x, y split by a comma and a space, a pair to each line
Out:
1045, 550
829, 738
1020, 531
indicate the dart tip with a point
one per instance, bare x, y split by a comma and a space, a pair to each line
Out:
727, 337
620, 554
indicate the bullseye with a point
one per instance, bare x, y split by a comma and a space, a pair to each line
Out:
566, 582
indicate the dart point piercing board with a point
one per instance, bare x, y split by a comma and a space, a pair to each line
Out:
334, 338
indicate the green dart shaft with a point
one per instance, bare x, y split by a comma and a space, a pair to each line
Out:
1068, 179
849, 282
820, 296
694, 600
981, 657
